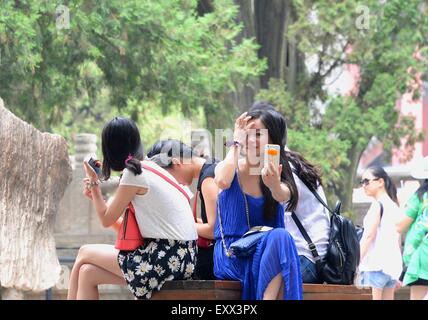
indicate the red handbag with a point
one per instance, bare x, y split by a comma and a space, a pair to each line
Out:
202, 242
129, 237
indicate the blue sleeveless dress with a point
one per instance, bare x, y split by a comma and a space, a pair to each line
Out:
276, 252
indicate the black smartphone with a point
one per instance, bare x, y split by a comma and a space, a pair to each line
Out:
96, 165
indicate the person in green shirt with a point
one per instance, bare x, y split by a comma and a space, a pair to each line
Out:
415, 220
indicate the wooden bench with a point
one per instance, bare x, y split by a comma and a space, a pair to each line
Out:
335, 292
231, 290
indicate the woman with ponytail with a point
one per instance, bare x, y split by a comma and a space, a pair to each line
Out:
252, 195
381, 262
163, 216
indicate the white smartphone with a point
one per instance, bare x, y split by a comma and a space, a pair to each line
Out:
271, 155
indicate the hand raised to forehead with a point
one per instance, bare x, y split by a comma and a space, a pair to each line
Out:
241, 124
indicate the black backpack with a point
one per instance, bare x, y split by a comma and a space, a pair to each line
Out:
343, 252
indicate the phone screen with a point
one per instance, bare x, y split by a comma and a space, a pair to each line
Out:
96, 165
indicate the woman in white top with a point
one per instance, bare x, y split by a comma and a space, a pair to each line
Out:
313, 216
163, 215
381, 261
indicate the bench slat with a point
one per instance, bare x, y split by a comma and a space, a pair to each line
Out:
231, 290
347, 289
202, 285
336, 296
197, 295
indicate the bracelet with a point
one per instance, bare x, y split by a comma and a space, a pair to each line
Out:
93, 184
234, 143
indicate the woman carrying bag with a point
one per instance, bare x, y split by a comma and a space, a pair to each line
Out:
162, 213
179, 160
252, 196
312, 214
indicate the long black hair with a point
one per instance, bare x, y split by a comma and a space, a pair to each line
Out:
170, 148
380, 173
277, 129
422, 189
121, 142
306, 171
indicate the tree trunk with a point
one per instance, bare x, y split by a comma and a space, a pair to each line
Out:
34, 173
272, 19
267, 22
243, 98
346, 191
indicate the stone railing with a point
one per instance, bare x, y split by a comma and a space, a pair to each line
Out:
77, 222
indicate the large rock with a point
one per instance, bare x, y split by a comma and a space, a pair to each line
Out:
34, 173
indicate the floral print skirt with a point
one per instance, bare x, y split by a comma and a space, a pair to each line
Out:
156, 261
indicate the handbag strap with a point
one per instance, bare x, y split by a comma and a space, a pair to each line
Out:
223, 241
195, 204
167, 179
177, 186
247, 212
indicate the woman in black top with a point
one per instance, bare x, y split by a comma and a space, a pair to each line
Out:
179, 160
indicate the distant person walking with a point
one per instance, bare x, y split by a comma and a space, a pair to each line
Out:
381, 262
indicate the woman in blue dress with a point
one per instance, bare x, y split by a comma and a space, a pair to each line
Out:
252, 195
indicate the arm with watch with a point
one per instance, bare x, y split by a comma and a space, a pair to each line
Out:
225, 170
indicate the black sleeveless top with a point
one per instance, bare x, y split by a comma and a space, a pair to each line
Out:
207, 171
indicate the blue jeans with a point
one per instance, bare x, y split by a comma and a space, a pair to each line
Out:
377, 279
308, 270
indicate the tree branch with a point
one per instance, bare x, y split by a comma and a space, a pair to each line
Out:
319, 77
108, 41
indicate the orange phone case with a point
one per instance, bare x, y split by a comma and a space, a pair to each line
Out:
271, 154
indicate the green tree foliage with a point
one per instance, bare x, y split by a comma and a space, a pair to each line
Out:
381, 38
129, 57
168, 60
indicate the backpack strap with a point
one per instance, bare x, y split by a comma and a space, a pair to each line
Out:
308, 239
167, 179
299, 225
314, 192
